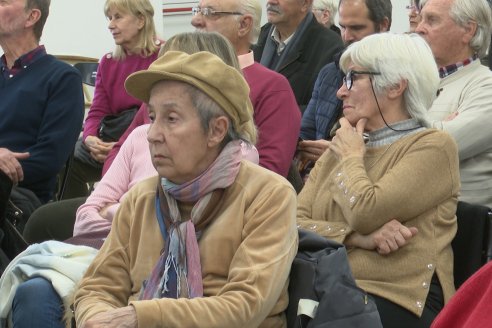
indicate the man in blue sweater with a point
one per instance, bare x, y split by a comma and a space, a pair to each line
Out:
41, 101
357, 19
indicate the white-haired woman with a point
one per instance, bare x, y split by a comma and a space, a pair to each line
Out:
398, 189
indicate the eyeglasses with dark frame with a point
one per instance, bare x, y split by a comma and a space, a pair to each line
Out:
348, 79
209, 12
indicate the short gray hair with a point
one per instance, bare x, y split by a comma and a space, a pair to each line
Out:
330, 5
464, 11
208, 109
252, 7
398, 57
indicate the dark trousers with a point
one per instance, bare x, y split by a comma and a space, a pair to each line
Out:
52, 221
83, 172
395, 316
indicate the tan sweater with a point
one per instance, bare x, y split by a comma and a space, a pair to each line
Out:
246, 254
414, 180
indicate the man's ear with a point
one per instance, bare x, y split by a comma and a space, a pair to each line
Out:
33, 17
384, 26
470, 29
307, 5
397, 90
245, 26
218, 128
326, 16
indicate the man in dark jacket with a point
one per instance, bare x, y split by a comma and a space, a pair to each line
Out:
294, 44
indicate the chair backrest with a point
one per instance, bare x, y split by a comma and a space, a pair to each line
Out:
88, 72
472, 245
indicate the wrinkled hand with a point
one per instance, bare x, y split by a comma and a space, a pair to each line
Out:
311, 149
387, 239
98, 149
348, 141
9, 164
392, 236
125, 317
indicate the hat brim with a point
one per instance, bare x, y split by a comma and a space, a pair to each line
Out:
140, 84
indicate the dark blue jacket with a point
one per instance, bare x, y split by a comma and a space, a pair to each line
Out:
41, 112
324, 107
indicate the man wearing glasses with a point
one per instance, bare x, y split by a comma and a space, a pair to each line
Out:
294, 44
357, 18
458, 32
414, 14
276, 114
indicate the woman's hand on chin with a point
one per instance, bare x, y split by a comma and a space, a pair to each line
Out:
348, 141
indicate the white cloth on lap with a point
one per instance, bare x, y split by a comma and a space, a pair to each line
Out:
61, 263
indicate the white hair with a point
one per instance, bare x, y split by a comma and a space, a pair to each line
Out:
252, 7
464, 11
330, 5
398, 57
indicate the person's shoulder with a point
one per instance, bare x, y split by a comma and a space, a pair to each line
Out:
144, 188
330, 70
137, 136
265, 28
56, 64
254, 177
106, 59
435, 138
474, 75
265, 76
140, 130
317, 31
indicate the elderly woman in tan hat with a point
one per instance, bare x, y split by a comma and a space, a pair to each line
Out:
210, 241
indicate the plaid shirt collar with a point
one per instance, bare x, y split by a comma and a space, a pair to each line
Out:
21, 63
450, 69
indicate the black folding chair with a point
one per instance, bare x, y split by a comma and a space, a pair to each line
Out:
472, 245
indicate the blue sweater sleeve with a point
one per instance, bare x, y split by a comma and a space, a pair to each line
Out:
322, 110
61, 110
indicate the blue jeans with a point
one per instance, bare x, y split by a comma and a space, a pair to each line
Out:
36, 304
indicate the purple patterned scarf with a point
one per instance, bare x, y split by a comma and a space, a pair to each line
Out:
178, 271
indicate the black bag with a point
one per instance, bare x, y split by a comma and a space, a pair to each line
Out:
112, 127
18, 208
321, 272
5, 188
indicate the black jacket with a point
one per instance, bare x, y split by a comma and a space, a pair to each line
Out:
301, 66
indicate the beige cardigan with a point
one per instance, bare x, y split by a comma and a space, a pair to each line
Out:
414, 180
246, 254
